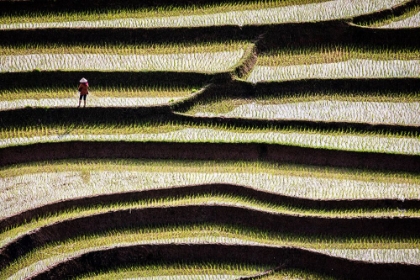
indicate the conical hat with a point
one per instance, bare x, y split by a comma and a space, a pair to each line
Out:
83, 80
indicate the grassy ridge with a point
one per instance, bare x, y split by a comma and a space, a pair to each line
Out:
410, 22
180, 271
383, 142
95, 91
224, 104
354, 68
94, 178
323, 11
399, 16
205, 166
123, 49
166, 10
189, 62
320, 106
329, 111
297, 258
334, 53
206, 233
217, 231
202, 271
195, 196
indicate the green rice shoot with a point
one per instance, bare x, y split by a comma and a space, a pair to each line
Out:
212, 271
156, 91
390, 19
178, 271
159, 11
225, 104
124, 49
333, 53
167, 234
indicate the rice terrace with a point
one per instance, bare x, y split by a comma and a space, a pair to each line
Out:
221, 139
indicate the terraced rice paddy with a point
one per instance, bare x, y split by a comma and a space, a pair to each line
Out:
99, 102
328, 10
408, 18
364, 112
176, 62
413, 21
326, 54
98, 97
363, 143
348, 69
70, 185
335, 62
246, 140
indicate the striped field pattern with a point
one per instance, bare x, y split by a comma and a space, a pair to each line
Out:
274, 142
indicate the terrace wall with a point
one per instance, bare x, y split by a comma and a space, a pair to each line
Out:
102, 78
353, 85
98, 36
92, 116
208, 151
284, 257
387, 13
7, 6
213, 189
268, 36
226, 215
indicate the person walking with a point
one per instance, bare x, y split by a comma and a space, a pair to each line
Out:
83, 90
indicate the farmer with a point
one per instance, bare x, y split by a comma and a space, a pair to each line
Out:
83, 90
